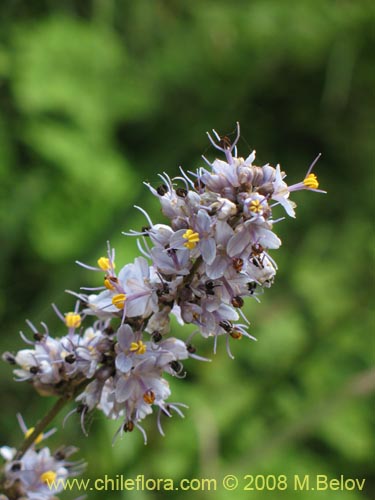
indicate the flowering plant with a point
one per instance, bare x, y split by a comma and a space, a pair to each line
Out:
214, 252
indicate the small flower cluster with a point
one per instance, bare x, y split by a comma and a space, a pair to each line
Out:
38, 474
55, 365
200, 267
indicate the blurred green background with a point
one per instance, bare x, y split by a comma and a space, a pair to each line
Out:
99, 95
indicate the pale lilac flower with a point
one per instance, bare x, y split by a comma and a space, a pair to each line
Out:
250, 233
171, 261
215, 251
141, 298
38, 474
52, 363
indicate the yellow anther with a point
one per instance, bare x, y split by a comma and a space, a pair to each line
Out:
235, 334
118, 300
73, 320
38, 439
149, 397
255, 206
138, 347
105, 264
48, 477
311, 181
192, 239
109, 282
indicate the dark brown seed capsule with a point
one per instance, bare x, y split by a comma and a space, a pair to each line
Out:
210, 287
156, 336
38, 337
162, 189
237, 301
251, 286
59, 455
109, 330
226, 325
256, 249
176, 366
235, 334
34, 370
128, 426
190, 348
237, 264
70, 358
199, 185
149, 397
181, 192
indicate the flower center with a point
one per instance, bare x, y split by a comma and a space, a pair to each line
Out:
73, 320
192, 239
108, 282
105, 264
138, 347
48, 477
149, 397
235, 334
118, 300
311, 181
255, 206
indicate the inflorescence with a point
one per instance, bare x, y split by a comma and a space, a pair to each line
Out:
200, 267
38, 474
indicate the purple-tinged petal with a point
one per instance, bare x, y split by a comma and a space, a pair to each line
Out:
267, 238
217, 268
208, 249
124, 388
123, 362
223, 233
249, 160
238, 242
125, 336
204, 222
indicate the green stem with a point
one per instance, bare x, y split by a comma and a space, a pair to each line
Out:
42, 424
70, 394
